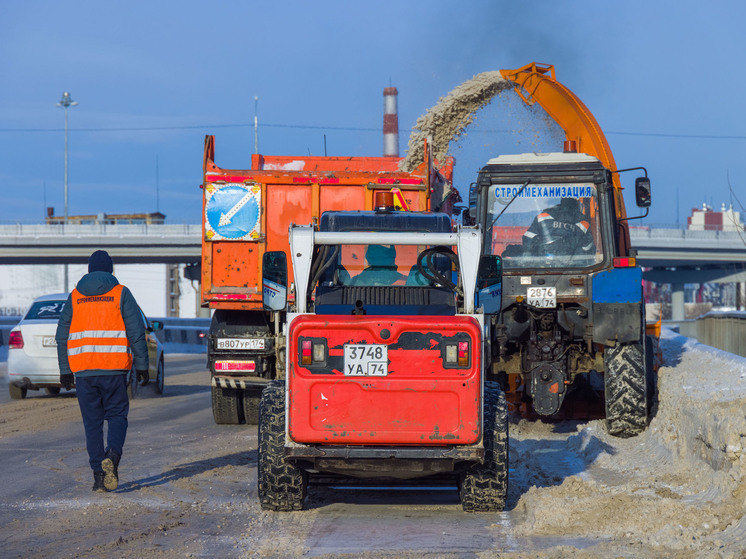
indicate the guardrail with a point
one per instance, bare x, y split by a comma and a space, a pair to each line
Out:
723, 330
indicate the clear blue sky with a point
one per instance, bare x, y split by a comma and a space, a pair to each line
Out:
664, 79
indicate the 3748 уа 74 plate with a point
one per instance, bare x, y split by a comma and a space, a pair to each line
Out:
366, 360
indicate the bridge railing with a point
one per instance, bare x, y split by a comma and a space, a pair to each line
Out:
36, 230
673, 233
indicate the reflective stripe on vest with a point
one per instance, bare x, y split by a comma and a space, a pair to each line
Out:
98, 337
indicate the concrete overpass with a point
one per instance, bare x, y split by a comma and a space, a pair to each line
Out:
674, 256
73, 243
681, 256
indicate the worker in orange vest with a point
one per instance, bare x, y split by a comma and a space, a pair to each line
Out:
100, 335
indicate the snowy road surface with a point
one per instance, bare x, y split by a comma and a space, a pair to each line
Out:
188, 486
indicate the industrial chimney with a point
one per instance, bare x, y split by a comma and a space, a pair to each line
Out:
390, 122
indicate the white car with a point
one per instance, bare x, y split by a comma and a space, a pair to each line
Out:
32, 350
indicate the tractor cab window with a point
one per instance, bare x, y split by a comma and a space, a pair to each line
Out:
545, 225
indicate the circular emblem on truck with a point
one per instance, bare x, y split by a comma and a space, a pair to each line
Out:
232, 211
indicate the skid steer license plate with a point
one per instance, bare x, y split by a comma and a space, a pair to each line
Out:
366, 360
542, 297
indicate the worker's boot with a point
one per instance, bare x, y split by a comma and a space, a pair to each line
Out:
110, 465
98, 482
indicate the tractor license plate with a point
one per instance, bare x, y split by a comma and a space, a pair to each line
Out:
366, 360
49, 341
542, 297
240, 343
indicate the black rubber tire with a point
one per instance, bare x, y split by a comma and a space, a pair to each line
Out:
226, 409
52, 390
484, 487
281, 483
132, 384
17, 392
251, 399
160, 377
625, 381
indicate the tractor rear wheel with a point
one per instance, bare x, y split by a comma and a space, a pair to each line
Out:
282, 484
625, 382
484, 487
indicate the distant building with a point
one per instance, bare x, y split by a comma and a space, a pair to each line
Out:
705, 219
108, 219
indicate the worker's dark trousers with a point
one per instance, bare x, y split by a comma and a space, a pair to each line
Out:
103, 397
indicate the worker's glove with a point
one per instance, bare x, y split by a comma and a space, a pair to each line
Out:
143, 377
67, 380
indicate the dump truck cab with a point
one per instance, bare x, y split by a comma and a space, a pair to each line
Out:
384, 373
572, 299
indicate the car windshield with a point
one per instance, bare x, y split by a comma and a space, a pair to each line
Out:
545, 225
42, 310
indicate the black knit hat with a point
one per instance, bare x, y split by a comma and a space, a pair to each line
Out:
100, 261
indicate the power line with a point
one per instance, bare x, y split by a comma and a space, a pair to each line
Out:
190, 127
348, 128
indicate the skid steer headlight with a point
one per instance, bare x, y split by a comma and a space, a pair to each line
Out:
457, 354
451, 354
312, 351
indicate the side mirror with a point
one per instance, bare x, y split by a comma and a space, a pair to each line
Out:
489, 284
274, 281
156, 325
470, 213
642, 192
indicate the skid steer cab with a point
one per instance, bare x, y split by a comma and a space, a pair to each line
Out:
385, 359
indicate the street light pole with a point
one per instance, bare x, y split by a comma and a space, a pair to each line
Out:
66, 102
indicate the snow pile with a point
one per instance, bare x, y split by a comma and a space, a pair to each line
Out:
703, 416
679, 486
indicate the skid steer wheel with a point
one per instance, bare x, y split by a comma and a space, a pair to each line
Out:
282, 484
484, 487
226, 408
625, 381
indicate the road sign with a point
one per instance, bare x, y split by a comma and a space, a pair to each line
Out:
232, 211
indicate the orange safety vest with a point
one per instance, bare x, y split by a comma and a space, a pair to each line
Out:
98, 337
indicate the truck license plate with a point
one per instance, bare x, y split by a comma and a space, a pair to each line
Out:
542, 297
49, 341
366, 360
240, 343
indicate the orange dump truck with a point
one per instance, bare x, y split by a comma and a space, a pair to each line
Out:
247, 213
